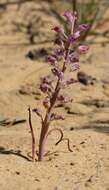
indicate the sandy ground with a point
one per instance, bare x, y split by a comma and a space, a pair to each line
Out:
86, 124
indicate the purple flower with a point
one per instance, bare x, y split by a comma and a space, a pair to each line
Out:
46, 80
83, 27
46, 102
75, 67
72, 38
61, 98
83, 49
64, 99
54, 116
58, 73
51, 59
67, 100
58, 29
58, 41
45, 88
70, 16
59, 52
76, 35
74, 57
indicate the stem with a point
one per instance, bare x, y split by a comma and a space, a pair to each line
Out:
74, 3
46, 123
33, 136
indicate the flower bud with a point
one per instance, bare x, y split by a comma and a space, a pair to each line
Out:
58, 73
46, 102
45, 88
83, 49
54, 116
58, 29
74, 57
70, 16
83, 27
75, 67
72, 38
51, 59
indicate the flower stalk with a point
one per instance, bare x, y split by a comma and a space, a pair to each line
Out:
65, 57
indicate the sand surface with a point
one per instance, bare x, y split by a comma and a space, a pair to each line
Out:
87, 118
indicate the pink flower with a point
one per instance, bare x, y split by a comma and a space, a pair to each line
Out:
58, 41
51, 59
72, 38
58, 29
74, 57
59, 52
83, 49
45, 88
54, 116
57, 72
83, 27
46, 102
75, 67
70, 16
76, 35
46, 80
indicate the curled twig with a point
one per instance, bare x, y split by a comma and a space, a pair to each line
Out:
68, 143
56, 129
61, 139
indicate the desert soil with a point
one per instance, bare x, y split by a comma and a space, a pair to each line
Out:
87, 117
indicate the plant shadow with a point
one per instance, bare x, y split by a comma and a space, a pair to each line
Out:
13, 152
99, 128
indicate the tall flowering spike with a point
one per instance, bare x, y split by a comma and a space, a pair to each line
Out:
65, 56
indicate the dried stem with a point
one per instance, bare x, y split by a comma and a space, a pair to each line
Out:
68, 143
32, 135
56, 129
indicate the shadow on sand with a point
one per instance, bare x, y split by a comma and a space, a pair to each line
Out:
13, 152
99, 128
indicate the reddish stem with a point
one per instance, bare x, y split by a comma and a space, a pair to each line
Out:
32, 135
